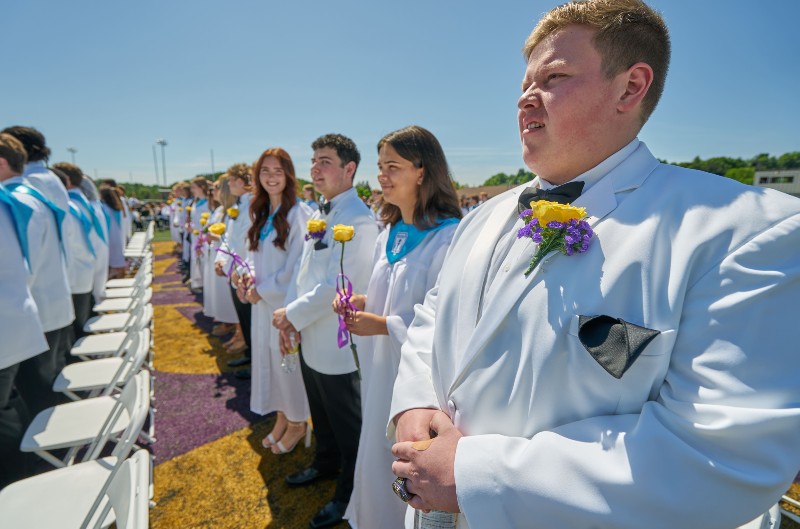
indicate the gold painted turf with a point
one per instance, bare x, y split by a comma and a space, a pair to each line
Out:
235, 483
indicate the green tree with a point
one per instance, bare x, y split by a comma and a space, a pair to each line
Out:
363, 189
742, 174
790, 160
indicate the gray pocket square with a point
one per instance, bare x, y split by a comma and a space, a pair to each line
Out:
320, 245
614, 343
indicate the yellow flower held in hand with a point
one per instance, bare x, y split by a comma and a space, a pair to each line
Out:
233, 212
195, 232
205, 215
189, 208
315, 226
343, 233
203, 221
217, 228
547, 211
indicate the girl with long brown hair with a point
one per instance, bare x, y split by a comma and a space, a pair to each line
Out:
275, 245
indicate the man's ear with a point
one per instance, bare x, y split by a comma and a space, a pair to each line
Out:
350, 169
637, 79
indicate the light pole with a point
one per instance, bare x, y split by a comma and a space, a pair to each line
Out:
72, 151
155, 163
163, 144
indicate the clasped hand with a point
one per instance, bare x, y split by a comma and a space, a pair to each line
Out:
429, 467
357, 321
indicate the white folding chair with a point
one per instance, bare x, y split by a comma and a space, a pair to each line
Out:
111, 343
123, 304
104, 375
89, 423
79, 496
145, 270
113, 322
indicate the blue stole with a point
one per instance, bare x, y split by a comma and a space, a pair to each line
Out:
21, 214
86, 225
77, 195
58, 213
403, 238
267, 229
201, 202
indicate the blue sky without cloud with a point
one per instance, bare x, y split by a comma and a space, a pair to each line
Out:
109, 78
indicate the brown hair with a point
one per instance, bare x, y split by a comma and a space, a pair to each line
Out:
32, 141
628, 32
226, 198
240, 171
12, 150
259, 207
110, 197
437, 198
73, 172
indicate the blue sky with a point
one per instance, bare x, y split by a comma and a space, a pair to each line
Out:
109, 78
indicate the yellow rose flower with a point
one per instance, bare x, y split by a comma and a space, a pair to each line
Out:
203, 221
169, 201
205, 215
343, 233
195, 232
316, 226
217, 228
547, 211
180, 209
233, 212
189, 209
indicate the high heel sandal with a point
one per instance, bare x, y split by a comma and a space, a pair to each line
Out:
282, 449
269, 441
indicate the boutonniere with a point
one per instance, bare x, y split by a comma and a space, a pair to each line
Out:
233, 212
555, 227
316, 229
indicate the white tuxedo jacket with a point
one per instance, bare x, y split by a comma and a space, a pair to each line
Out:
315, 283
701, 432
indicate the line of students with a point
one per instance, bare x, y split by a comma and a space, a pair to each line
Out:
284, 287
58, 240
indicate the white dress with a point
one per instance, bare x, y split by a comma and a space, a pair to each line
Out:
393, 291
272, 388
196, 260
217, 300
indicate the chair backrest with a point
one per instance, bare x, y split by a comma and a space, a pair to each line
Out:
132, 361
128, 493
135, 399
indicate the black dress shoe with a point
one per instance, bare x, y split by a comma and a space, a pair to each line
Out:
238, 362
244, 374
331, 514
306, 476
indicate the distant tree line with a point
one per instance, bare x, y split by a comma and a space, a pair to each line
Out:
739, 169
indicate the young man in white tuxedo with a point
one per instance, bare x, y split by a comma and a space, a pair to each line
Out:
329, 372
648, 381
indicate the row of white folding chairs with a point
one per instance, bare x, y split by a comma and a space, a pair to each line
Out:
140, 245
95, 492
144, 272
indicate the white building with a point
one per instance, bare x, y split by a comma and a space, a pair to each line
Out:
787, 181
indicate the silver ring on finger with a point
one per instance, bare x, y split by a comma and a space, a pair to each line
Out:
399, 488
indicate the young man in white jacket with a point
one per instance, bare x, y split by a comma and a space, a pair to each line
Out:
647, 378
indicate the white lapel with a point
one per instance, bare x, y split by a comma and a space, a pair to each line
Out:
599, 201
480, 257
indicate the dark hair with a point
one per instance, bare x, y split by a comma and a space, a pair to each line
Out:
32, 140
12, 150
110, 197
345, 148
73, 172
109, 182
437, 197
259, 207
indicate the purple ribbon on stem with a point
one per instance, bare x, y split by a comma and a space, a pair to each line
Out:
235, 261
345, 292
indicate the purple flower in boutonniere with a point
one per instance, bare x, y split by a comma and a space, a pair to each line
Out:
555, 227
316, 229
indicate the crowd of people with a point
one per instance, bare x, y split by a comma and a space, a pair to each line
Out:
63, 238
610, 345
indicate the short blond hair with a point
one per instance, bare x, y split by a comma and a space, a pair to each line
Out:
628, 32
241, 171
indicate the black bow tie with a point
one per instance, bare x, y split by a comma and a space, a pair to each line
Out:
563, 194
325, 207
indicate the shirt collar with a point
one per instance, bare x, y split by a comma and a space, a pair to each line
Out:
596, 173
342, 196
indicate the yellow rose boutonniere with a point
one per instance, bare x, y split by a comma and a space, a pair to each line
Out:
233, 212
343, 233
316, 229
555, 227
